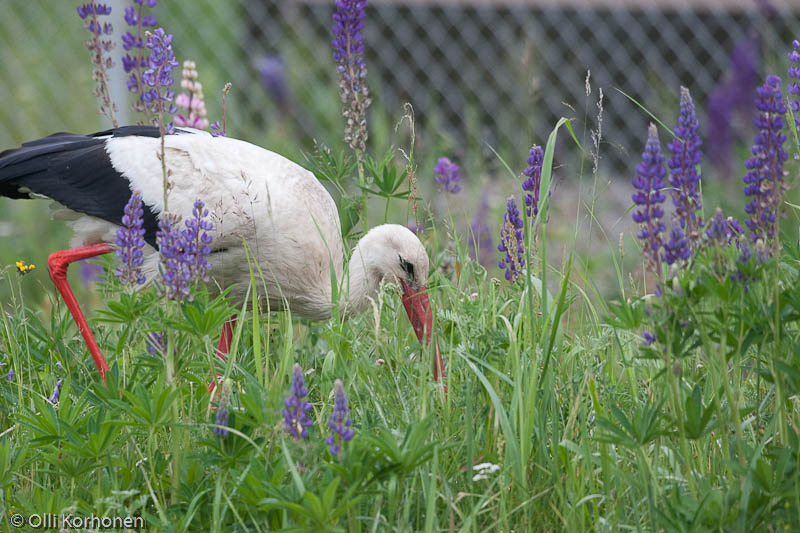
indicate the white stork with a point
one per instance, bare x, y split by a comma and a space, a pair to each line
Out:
287, 218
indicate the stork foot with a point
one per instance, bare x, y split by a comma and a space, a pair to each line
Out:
57, 264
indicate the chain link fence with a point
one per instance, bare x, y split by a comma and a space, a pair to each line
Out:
479, 74
494, 72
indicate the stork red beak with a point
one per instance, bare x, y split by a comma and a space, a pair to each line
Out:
418, 308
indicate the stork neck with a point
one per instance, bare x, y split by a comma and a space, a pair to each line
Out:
355, 287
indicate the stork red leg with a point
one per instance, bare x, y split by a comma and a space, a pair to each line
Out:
224, 346
57, 264
225, 338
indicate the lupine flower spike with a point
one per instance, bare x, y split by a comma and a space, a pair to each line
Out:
184, 253
133, 43
764, 179
160, 65
90, 272
340, 420
480, 236
274, 80
348, 52
130, 242
733, 96
101, 50
56, 392
723, 230
221, 421
217, 129
156, 342
793, 87
677, 247
684, 177
196, 240
511, 242
191, 101
446, 175
175, 272
533, 180
223, 414
22, 268
295, 419
649, 196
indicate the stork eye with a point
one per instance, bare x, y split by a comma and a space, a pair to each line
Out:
407, 267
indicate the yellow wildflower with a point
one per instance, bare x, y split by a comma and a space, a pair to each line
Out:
23, 268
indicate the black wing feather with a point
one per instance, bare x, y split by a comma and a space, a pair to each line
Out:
75, 170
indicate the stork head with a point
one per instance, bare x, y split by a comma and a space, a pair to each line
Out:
392, 253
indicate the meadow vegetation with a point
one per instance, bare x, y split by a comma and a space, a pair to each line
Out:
670, 405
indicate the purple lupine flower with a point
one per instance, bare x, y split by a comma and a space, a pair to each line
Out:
192, 100
175, 272
156, 342
93, 9
723, 230
130, 242
533, 181
649, 196
511, 242
720, 116
446, 174
274, 80
340, 420
734, 229
295, 419
133, 42
648, 337
195, 242
90, 272
100, 50
480, 237
160, 64
56, 392
221, 421
348, 52
684, 177
11, 375
677, 247
764, 179
793, 87
733, 97
217, 130
745, 253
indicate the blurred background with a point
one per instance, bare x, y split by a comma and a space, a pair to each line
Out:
482, 77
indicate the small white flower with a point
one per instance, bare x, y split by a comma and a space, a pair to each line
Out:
484, 469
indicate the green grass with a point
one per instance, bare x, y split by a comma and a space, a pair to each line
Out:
590, 429
548, 378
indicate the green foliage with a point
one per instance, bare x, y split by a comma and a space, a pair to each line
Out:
556, 416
